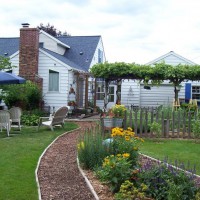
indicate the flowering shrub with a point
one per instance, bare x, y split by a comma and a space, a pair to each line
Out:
166, 182
129, 191
125, 141
115, 170
118, 111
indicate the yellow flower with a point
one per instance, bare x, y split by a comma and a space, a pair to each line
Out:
127, 138
129, 129
126, 155
81, 145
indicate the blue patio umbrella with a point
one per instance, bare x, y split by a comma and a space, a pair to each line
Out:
9, 78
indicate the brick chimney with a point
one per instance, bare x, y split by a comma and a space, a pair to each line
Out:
29, 54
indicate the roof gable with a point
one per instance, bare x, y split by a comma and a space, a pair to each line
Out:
171, 58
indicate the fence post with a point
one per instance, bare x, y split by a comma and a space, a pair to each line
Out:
146, 122
178, 128
173, 122
125, 120
131, 119
184, 125
141, 120
135, 122
189, 125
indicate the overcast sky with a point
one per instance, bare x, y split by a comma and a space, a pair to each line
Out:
132, 30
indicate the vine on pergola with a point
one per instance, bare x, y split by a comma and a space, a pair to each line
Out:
149, 75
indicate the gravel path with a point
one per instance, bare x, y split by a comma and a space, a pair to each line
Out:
58, 173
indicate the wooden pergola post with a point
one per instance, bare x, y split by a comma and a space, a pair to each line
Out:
86, 91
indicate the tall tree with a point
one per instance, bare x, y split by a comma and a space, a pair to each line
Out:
50, 29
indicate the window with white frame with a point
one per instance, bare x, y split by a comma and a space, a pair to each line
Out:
53, 81
196, 92
100, 90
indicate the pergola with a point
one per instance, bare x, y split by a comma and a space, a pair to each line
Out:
149, 75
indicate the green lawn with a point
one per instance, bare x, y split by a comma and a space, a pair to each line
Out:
183, 151
19, 155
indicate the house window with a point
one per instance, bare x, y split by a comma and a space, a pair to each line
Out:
196, 92
53, 81
100, 90
100, 56
111, 97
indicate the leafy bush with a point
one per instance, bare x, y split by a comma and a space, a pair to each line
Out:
196, 129
156, 128
30, 118
27, 96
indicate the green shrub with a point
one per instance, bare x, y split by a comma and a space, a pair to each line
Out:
196, 129
30, 119
27, 96
156, 129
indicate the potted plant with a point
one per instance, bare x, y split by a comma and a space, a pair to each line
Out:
119, 112
107, 118
71, 103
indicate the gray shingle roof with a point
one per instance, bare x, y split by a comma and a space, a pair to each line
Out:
9, 46
63, 59
82, 49
79, 56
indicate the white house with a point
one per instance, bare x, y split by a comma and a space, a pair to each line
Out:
133, 93
59, 65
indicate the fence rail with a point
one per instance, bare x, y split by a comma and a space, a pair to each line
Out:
173, 123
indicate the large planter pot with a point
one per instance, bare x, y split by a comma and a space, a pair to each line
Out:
108, 122
118, 122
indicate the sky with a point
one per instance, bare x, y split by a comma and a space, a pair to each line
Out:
133, 31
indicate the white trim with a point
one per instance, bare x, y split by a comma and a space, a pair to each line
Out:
87, 181
168, 54
57, 60
56, 40
14, 54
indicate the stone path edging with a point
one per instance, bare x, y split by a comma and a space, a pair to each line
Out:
87, 181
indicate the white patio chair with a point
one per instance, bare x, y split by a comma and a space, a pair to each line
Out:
15, 115
56, 119
5, 121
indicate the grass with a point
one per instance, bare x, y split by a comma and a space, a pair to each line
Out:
19, 155
182, 151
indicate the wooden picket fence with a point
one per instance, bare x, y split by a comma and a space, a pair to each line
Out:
175, 124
